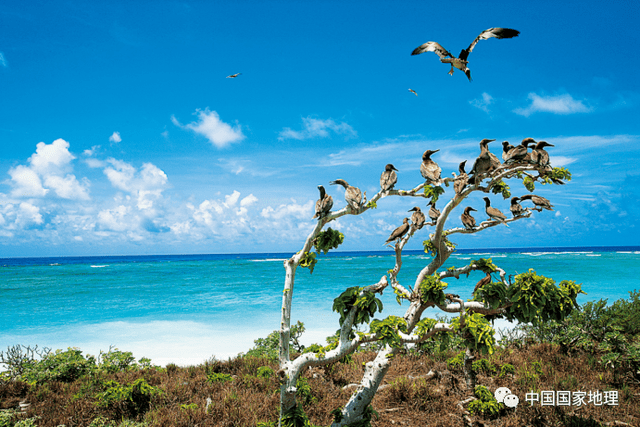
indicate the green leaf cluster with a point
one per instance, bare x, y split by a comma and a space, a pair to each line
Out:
372, 205
218, 377
476, 331
387, 330
433, 192
130, 398
309, 261
486, 405
485, 265
431, 289
500, 187
493, 293
430, 248
366, 303
327, 240
529, 184
425, 325
558, 174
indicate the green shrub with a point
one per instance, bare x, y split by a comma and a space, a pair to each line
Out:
214, 377
265, 372
130, 399
64, 366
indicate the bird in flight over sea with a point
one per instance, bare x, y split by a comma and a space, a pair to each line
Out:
233, 76
413, 92
461, 61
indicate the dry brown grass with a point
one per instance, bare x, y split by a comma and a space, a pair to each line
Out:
409, 401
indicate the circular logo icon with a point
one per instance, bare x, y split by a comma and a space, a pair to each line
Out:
511, 400
501, 393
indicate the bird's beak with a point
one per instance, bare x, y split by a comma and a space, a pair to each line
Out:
435, 151
473, 210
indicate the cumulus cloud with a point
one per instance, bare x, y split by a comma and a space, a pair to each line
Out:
49, 169
484, 103
316, 128
556, 104
115, 137
3, 61
210, 126
147, 184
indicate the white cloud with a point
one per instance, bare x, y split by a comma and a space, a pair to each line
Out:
215, 130
68, 187
556, 104
483, 103
316, 128
26, 182
3, 61
147, 184
115, 137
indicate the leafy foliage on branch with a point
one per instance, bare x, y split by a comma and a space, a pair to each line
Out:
387, 330
494, 294
366, 302
529, 184
433, 192
485, 265
309, 261
329, 239
501, 187
425, 325
431, 289
486, 404
430, 248
558, 174
476, 331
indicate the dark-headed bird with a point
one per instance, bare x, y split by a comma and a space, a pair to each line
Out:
540, 202
468, 221
324, 204
417, 218
519, 152
352, 195
399, 232
539, 155
430, 169
461, 180
506, 147
388, 178
434, 213
484, 281
484, 163
494, 213
233, 76
516, 208
461, 61
413, 92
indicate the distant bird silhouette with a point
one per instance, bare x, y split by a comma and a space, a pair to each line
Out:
539, 201
413, 92
461, 61
468, 221
461, 180
324, 204
352, 195
417, 218
516, 208
233, 76
494, 213
399, 232
430, 169
388, 178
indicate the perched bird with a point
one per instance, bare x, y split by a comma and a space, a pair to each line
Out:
506, 147
539, 155
430, 169
388, 178
413, 92
399, 232
519, 152
516, 208
352, 195
461, 61
461, 180
494, 213
233, 76
434, 213
324, 204
540, 202
485, 280
468, 221
483, 164
417, 218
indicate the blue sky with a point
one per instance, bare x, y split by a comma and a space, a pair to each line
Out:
121, 134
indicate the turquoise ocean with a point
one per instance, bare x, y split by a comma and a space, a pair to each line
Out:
186, 309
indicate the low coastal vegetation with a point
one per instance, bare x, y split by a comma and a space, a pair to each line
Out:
595, 349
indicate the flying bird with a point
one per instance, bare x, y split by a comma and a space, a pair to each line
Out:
399, 232
417, 218
352, 195
324, 204
468, 221
461, 61
539, 201
430, 169
233, 76
494, 213
388, 178
413, 92
461, 180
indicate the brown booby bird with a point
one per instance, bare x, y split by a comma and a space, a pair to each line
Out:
516, 208
352, 195
417, 218
539, 155
468, 221
324, 204
484, 163
539, 201
434, 213
461, 61
388, 178
519, 152
506, 147
233, 76
413, 92
494, 214
461, 180
430, 169
399, 232
485, 280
